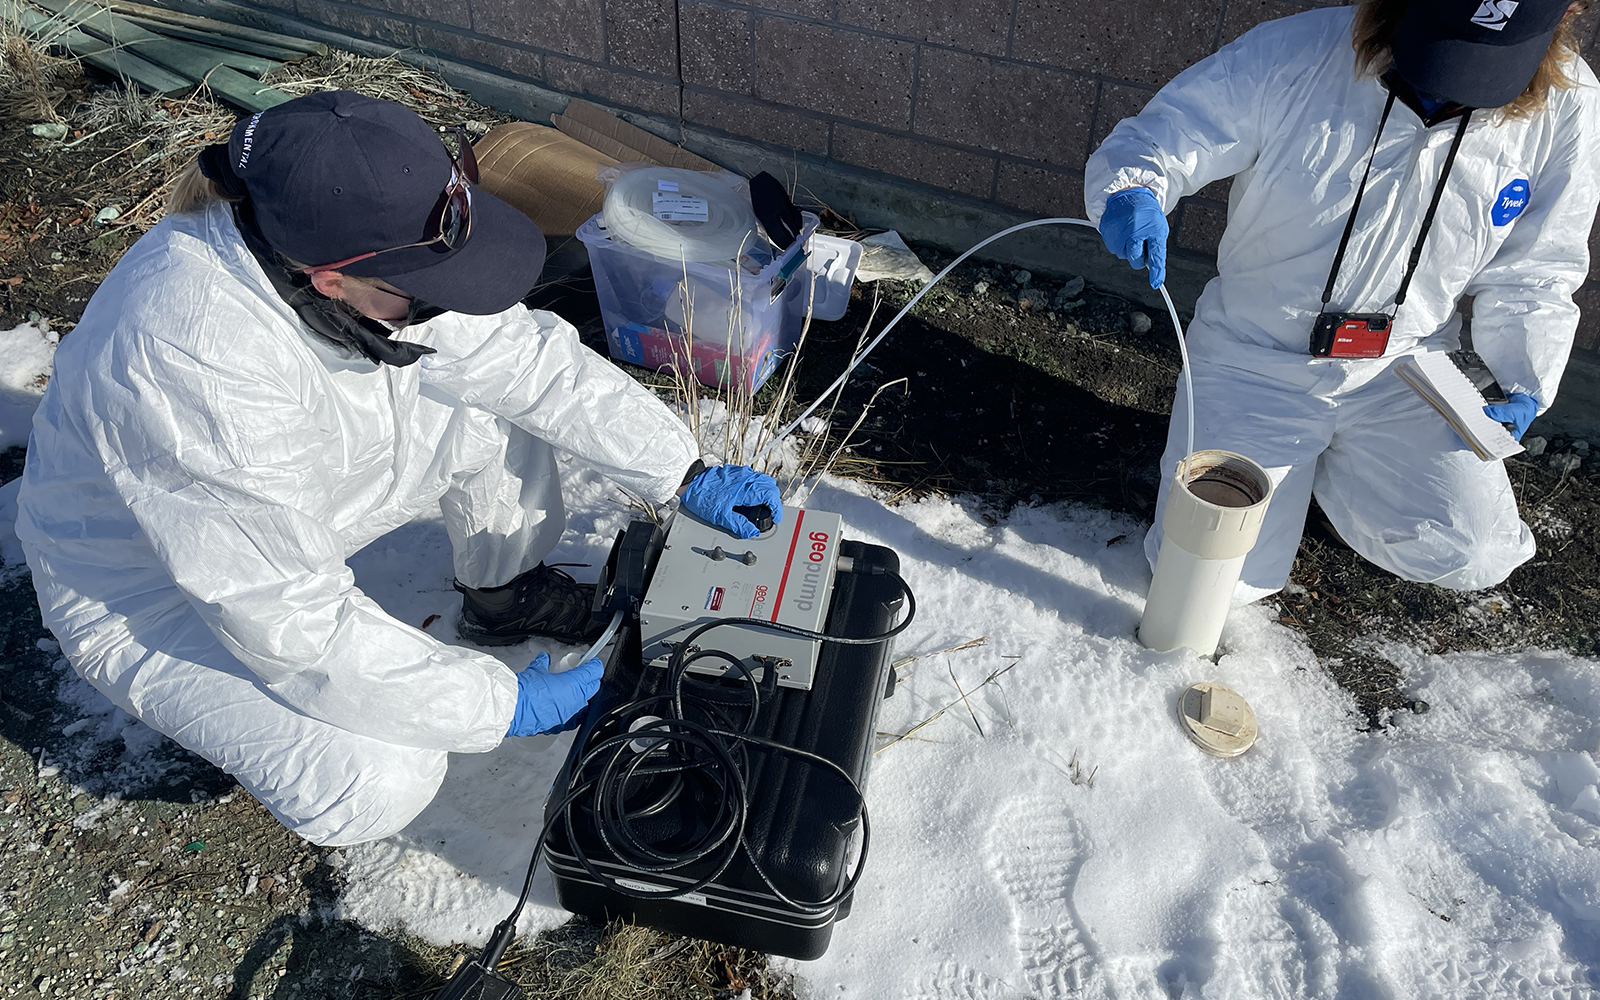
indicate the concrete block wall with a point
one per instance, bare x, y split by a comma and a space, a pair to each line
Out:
998, 101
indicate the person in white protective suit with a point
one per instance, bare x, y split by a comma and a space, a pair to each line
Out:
1387, 159
229, 423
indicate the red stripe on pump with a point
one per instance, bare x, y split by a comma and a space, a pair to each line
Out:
777, 605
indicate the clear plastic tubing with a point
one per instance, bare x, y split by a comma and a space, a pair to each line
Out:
1172, 311
605, 637
730, 222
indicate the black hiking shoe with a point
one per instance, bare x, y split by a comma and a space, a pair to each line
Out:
544, 601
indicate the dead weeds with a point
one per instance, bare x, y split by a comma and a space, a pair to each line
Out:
73, 199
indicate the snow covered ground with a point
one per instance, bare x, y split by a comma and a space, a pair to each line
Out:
1079, 845
1451, 855
26, 354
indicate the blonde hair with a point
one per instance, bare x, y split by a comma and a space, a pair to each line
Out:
193, 191
1378, 21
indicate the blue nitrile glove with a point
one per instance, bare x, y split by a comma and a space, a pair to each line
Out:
714, 493
1135, 229
551, 703
1518, 410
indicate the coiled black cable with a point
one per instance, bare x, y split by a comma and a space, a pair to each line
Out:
676, 750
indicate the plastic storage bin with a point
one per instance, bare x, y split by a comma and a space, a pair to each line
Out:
731, 326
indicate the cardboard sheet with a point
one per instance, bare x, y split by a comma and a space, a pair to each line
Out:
546, 174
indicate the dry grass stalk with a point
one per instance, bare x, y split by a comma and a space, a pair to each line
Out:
817, 471
906, 661
930, 720
30, 77
780, 402
964, 699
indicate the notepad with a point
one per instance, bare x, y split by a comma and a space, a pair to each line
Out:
1437, 380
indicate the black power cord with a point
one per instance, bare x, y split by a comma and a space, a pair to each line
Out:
673, 752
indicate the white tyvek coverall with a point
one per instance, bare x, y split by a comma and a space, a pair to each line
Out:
200, 468
1283, 112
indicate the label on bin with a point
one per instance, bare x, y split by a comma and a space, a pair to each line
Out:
669, 207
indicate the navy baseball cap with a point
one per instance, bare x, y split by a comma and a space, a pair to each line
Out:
335, 175
1478, 53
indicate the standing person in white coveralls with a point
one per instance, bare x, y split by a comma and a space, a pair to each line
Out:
1387, 159
322, 342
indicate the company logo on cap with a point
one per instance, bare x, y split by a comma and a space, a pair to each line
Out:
1493, 14
249, 140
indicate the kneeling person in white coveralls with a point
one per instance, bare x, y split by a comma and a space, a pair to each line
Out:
1387, 159
321, 343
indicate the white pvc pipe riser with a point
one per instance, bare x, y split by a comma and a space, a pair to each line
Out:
1203, 548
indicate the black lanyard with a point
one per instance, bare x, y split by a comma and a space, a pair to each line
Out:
1427, 220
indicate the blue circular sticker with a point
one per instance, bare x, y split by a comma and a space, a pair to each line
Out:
1510, 202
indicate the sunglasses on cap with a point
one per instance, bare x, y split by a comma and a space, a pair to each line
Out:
451, 219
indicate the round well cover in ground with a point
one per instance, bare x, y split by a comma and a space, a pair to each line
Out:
1217, 719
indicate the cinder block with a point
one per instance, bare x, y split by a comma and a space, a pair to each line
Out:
834, 70
820, 9
976, 25
611, 86
941, 166
1057, 193
748, 120
1147, 41
373, 27
642, 35
716, 46
453, 12
1117, 101
1030, 112
1242, 15
1200, 226
501, 57
571, 27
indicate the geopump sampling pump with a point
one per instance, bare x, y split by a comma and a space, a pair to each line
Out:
714, 787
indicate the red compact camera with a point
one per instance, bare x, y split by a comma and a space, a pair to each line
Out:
1350, 335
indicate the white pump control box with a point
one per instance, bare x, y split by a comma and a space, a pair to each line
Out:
705, 574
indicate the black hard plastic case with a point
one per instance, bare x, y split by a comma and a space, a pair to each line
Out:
802, 819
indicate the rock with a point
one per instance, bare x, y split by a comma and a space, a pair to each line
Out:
1138, 322
1067, 300
1565, 463
49, 130
1022, 277
1418, 706
1581, 447
1028, 301
107, 214
980, 287
1073, 288
1534, 446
